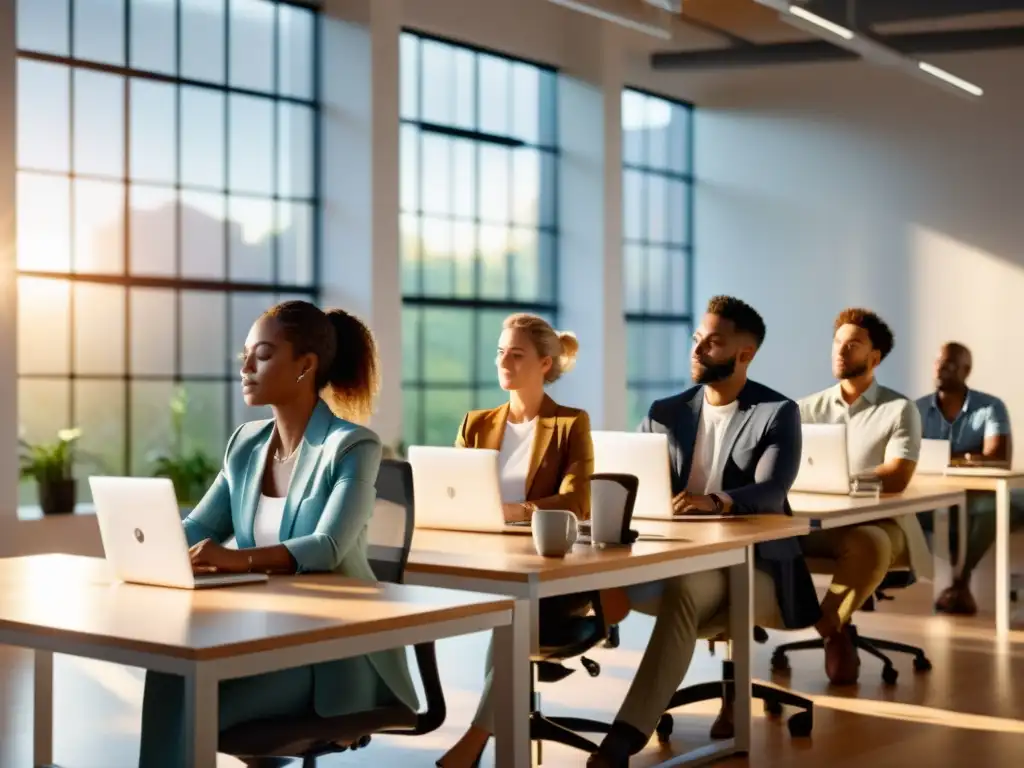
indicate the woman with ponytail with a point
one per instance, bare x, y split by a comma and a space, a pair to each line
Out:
296, 491
545, 459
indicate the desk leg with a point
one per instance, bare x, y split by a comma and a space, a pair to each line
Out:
942, 555
201, 718
512, 690
1002, 595
43, 715
741, 630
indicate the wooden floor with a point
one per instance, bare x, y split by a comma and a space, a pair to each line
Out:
968, 711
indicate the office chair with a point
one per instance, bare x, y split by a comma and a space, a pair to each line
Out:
576, 635
896, 579
309, 737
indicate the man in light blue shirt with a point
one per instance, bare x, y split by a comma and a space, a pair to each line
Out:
977, 426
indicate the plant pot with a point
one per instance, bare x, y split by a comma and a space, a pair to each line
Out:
57, 497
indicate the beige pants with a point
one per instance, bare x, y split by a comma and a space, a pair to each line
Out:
858, 559
688, 608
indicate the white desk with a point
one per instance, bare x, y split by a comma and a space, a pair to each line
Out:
70, 605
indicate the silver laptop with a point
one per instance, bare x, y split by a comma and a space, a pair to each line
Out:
645, 455
825, 464
934, 457
143, 538
458, 489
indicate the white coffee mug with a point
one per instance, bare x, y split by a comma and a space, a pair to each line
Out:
554, 531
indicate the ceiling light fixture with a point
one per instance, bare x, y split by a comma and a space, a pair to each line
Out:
819, 21
654, 30
948, 77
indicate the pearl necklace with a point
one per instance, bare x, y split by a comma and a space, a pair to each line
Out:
284, 460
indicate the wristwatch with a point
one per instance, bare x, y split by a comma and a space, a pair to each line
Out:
717, 501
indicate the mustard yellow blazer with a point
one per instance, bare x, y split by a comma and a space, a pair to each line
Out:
562, 460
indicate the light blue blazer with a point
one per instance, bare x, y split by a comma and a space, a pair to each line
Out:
330, 501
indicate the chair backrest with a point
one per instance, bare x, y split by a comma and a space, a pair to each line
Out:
615, 494
391, 527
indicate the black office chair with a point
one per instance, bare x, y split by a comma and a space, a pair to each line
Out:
307, 737
577, 635
896, 579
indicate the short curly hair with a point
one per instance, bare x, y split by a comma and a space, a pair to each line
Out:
743, 316
878, 330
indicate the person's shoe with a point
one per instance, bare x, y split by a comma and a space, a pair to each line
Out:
724, 727
842, 662
957, 600
619, 744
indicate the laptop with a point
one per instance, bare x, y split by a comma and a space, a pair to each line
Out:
143, 538
825, 464
458, 489
645, 455
934, 457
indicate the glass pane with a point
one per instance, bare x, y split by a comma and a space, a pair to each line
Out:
635, 334
464, 178
295, 162
526, 277
444, 411
44, 327
495, 163
411, 328
657, 352
409, 237
252, 144
409, 60
99, 123
679, 139
154, 147
252, 45
411, 410
680, 341
43, 410
152, 435
438, 267
548, 108
633, 120
490, 397
152, 331
494, 262
633, 269
659, 116
44, 121
548, 260
202, 137
438, 71
488, 325
43, 26
463, 261
99, 329
202, 235
494, 95
206, 417
296, 43
463, 86
204, 335
409, 168
633, 205
295, 224
154, 37
548, 189
154, 230
250, 249
526, 103
99, 31
680, 282
526, 187
246, 309
99, 227
44, 223
436, 175
447, 345
678, 213
656, 203
202, 39
100, 414
658, 281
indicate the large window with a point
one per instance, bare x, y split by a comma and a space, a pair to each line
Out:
166, 195
657, 195
479, 226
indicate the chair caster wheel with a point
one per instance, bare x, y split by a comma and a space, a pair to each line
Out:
772, 707
592, 667
801, 724
890, 675
922, 664
612, 641
664, 729
780, 663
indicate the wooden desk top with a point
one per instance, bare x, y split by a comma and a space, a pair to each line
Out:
512, 558
76, 596
985, 480
920, 494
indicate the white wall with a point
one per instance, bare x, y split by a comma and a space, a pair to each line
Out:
824, 186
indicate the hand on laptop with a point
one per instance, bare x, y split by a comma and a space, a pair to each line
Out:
515, 513
691, 504
210, 557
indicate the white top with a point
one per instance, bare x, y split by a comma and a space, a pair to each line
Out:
514, 460
266, 529
705, 470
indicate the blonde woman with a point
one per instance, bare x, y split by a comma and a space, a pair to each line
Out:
545, 461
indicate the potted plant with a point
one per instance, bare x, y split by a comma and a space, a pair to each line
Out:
190, 469
51, 465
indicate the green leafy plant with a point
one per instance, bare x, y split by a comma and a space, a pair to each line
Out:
190, 469
49, 462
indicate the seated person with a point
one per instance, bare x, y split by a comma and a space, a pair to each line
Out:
546, 458
735, 449
978, 428
304, 364
884, 440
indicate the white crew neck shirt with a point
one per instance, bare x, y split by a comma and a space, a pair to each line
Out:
705, 469
266, 528
514, 460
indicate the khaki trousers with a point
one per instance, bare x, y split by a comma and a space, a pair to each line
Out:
688, 608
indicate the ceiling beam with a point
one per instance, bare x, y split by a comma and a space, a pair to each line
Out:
810, 51
871, 12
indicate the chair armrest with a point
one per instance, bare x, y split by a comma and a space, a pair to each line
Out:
437, 709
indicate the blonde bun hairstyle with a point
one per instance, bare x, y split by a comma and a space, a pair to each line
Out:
561, 346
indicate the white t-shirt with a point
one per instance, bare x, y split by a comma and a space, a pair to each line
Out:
705, 470
266, 528
514, 460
